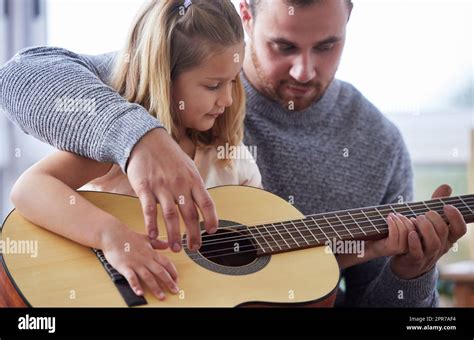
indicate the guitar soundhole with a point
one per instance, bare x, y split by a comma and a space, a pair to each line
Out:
229, 251
228, 248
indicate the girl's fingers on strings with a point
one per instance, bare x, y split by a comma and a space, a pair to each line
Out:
133, 281
163, 276
169, 266
151, 282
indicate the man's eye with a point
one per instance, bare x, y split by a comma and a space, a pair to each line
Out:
325, 47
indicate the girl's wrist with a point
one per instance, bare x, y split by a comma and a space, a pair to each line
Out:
113, 234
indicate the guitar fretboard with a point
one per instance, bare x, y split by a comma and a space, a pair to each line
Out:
316, 230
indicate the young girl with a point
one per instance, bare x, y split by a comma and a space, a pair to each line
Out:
182, 63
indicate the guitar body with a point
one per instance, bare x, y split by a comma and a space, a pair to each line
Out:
66, 274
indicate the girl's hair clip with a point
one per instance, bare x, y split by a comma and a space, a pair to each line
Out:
185, 4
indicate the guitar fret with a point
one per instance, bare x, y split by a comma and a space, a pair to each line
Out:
383, 218
311, 233
315, 229
294, 240
357, 223
439, 210
427, 207
298, 230
367, 217
344, 225
278, 234
310, 230
339, 236
414, 214
466, 204
317, 225
402, 209
258, 229
256, 238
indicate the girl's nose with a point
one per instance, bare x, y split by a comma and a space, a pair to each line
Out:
225, 99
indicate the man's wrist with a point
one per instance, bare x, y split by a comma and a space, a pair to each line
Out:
153, 133
122, 136
405, 274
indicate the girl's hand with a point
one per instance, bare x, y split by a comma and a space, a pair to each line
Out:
397, 241
134, 256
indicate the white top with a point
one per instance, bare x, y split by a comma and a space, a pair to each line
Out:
244, 171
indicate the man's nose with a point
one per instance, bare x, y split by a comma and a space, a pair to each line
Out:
303, 69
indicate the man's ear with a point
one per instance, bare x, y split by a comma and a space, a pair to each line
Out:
246, 15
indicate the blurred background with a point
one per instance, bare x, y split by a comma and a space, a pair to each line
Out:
412, 58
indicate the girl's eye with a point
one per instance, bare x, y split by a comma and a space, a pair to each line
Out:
285, 48
213, 88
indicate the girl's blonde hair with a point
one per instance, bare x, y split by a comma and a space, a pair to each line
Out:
167, 39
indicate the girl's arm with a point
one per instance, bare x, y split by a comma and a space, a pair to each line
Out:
45, 194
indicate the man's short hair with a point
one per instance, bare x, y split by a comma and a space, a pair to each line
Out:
254, 4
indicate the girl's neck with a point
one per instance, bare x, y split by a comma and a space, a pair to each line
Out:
186, 144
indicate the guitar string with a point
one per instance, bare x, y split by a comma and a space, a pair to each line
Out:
315, 233
327, 226
285, 247
253, 249
351, 219
233, 251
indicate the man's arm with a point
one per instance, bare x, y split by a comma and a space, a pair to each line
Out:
59, 97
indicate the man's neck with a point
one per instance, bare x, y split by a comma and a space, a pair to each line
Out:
250, 73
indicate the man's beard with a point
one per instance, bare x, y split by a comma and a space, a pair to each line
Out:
277, 93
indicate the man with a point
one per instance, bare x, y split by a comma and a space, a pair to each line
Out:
321, 144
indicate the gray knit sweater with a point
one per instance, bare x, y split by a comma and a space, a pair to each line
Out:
340, 153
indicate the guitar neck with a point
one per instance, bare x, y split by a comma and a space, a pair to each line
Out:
354, 224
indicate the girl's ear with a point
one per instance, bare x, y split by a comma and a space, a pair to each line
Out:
246, 15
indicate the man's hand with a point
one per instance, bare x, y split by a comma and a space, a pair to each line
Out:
160, 172
430, 239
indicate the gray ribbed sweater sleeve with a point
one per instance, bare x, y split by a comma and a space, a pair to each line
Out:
63, 99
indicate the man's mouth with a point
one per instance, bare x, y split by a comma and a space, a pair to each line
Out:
300, 90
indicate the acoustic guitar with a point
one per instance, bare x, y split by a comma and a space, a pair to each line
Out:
265, 253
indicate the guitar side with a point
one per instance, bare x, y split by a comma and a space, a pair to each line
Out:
65, 274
